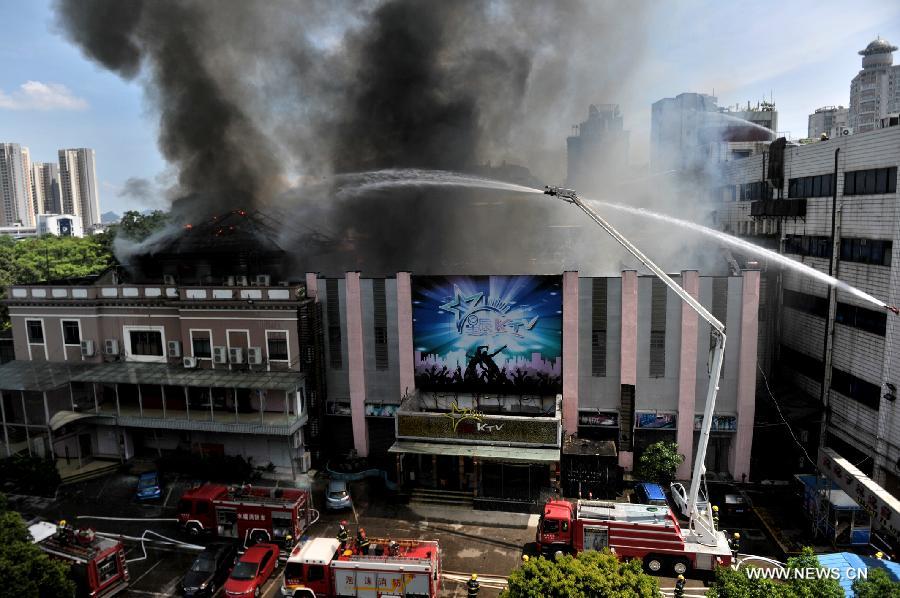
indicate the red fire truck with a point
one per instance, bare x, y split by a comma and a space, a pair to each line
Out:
317, 568
97, 565
645, 532
246, 513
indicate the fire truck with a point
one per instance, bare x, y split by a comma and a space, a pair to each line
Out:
318, 567
248, 514
645, 532
97, 565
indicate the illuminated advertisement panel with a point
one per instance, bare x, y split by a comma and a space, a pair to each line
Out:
488, 334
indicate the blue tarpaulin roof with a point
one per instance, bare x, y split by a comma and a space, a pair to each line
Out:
847, 561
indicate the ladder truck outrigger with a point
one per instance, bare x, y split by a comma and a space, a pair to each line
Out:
646, 532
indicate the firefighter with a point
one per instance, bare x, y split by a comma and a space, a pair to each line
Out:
524, 558
735, 544
362, 541
288, 541
879, 555
393, 548
679, 587
472, 586
716, 517
343, 535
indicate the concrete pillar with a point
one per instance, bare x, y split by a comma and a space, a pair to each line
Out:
356, 364
5, 431
312, 286
746, 384
628, 357
404, 333
570, 353
687, 374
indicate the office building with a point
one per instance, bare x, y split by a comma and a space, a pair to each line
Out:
597, 153
831, 121
16, 207
45, 188
78, 185
875, 90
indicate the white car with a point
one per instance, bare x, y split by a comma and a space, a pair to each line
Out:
680, 498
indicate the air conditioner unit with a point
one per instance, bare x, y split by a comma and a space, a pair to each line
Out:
220, 355
168, 279
189, 362
111, 346
263, 280
241, 281
235, 355
87, 348
305, 461
174, 348
254, 355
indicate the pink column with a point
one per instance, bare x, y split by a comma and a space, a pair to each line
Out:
404, 333
312, 286
687, 374
628, 359
746, 394
356, 365
570, 353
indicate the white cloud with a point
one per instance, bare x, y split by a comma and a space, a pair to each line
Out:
35, 95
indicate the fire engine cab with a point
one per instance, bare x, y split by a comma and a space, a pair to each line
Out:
97, 565
645, 532
318, 568
248, 514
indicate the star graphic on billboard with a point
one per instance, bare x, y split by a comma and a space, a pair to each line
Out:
462, 305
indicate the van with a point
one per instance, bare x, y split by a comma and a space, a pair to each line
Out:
647, 493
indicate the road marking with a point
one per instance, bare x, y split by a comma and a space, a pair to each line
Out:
168, 496
144, 574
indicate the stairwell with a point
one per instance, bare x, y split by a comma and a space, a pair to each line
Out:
431, 496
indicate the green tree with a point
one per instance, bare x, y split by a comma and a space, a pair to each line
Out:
137, 226
877, 585
737, 584
591, 573
659, 462
26, 568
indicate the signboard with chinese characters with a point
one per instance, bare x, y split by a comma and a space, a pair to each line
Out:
720, 423
601, 419
651, 420
488, 334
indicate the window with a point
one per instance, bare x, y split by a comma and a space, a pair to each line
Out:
807, 245
598, 327
202, 346
757, 190
817, 306
107, 568
277, 346
333, 314
71, 332
315, 572
856, 388
867, 251
35, 331
658, 329
811, 186
862, 318
146, 342
871, 182
380, 324
802, 363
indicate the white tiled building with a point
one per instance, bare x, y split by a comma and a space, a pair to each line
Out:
875, 91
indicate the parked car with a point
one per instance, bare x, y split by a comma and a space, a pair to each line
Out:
251, 571
647, 493
209, 570
337, 496
148, 486
680, 498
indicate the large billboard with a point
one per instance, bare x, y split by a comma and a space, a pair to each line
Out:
488, 334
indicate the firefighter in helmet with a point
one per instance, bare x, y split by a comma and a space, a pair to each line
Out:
343, 536
735, 544
715, 510
472, 586
362, 541
679, 587
288, 541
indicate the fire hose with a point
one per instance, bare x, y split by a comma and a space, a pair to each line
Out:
143, 539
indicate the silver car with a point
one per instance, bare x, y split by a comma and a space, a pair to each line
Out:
337, 496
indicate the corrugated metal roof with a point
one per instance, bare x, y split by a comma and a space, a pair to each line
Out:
844, 562
159, 373
498, 453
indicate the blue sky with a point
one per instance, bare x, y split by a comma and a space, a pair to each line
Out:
804, 52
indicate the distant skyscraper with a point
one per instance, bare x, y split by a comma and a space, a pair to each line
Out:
78, 185
599, 150
45, 188
15, 186
875, 91
830, 120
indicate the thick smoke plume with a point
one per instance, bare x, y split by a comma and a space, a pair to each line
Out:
262, 105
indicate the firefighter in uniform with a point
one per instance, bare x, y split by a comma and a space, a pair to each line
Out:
362, 541
735, 544
679, 587
716, 517
288, 541
343, 535
472, 586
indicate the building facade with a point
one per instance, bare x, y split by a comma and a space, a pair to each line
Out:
875, 90
45, 188
78, 185
598, 152
833, 206
831, 121
15, 186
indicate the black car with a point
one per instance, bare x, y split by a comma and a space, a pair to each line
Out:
209, 570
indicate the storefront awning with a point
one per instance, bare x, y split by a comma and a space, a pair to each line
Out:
62, 418
36, 376
497, 453
124, 372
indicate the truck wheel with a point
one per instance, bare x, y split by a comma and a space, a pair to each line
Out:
680, 567
653, 563
193, 530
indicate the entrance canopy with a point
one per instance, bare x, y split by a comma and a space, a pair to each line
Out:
496, 453
124, 372
62, 418
39, 376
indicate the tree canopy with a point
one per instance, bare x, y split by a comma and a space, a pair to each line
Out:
659, 462
591, 573
737, 584
137, 226
877, 585
26, 568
